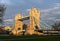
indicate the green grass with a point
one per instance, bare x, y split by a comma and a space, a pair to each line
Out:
31, 38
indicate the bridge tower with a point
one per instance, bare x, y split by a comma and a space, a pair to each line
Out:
34, 20
18, 25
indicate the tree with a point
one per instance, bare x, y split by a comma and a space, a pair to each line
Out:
56, 26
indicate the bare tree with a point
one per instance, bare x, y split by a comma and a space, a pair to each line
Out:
56, 26
2, 9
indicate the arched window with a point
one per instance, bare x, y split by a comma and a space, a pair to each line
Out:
19, 28
36, 27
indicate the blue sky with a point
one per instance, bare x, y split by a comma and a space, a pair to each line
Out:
50, 9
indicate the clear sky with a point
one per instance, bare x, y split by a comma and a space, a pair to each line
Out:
50, 9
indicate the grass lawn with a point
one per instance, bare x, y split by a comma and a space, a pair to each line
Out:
30, 38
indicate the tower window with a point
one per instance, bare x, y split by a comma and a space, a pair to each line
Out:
36, 27
19, 28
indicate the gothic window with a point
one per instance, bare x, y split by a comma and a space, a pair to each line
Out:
19, 28
36, 27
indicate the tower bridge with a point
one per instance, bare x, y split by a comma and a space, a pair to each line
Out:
34, 26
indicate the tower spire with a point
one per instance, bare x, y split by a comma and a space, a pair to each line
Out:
34, 6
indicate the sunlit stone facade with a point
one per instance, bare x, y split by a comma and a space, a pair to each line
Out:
34, 17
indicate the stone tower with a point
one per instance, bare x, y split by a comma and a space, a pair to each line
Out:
34, 20
18, 25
